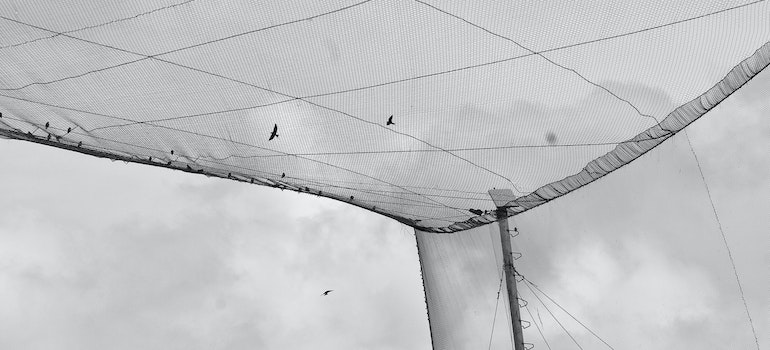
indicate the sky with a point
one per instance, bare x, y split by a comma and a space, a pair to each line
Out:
100, 254
97, 254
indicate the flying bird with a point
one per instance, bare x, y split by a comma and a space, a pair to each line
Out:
476, 211
390, 121
327, 292
274, 134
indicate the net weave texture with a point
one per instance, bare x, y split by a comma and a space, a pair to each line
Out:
494, 95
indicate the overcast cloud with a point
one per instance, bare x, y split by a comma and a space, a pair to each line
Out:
105, 255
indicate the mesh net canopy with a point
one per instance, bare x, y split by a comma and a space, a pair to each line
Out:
410, 109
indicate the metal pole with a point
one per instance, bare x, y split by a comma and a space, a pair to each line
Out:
510, 278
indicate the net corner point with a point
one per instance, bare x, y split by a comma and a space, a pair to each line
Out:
501, 197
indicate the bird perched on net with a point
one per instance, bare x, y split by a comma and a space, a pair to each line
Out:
476, 211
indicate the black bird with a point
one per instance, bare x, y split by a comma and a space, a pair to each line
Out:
172, 152
283, 175
476, 211
49, 137
252, 180
274, 134
169, 163
390, 121
80, 143
47, 124
149, 159
351, 198
229, 175
327, 292
69, 130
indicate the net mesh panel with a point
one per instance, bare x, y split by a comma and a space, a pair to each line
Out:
474, 106
635, 254
537, 97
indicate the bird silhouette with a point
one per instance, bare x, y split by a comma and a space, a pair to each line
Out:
172, 152
274, 134
476, 211
47, 124
283, 175
390, 121
327, 292
149, 159
49, 137
80, 143
69, 130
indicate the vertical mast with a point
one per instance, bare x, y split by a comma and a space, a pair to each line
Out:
501, 198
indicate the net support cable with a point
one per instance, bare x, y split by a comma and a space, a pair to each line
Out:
622, 154
724, 240
627, 151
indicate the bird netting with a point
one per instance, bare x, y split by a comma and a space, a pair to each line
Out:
410, 109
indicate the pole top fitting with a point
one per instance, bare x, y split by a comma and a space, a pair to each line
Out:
501, 196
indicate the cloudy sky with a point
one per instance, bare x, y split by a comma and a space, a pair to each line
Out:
97, 254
